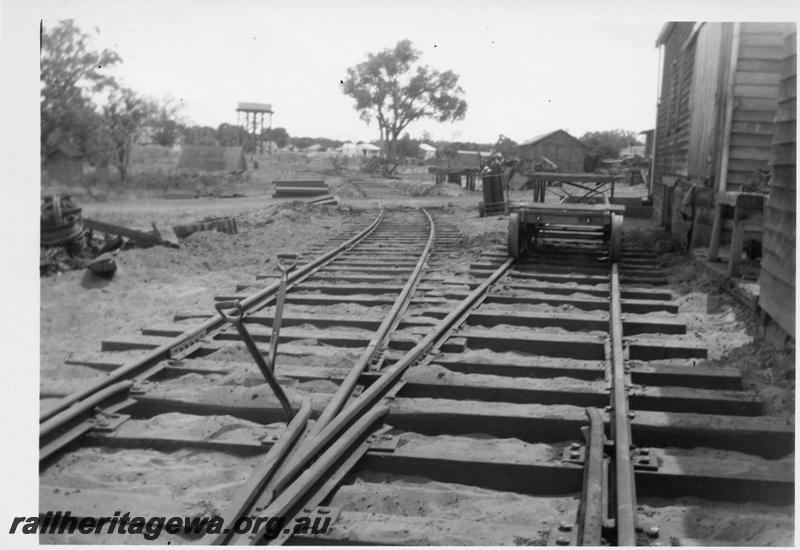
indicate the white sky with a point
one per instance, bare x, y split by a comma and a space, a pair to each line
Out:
526, 67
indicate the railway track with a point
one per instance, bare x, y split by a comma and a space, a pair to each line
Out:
555, 400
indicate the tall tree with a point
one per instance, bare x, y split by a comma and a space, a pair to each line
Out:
71, 74
393, 89
231, 135
124, 114
166, 122
280, 136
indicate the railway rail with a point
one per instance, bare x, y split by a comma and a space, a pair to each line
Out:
556, 399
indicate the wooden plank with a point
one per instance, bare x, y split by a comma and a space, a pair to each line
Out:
772, 40
762, 141
759, 52
763, 91
746, 165
753, 115
767, 28
753, 127
760, 65
760, 79
751, 153
778, 301
299, 183
139, 237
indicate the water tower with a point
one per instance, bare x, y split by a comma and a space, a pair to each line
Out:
250, 116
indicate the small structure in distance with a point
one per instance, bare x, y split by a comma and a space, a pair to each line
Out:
253, 115
557, 147
351, 149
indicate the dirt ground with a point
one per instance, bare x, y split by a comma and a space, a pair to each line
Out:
152, 285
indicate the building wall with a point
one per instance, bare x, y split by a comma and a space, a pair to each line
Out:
560, 148
706, 101
759, 63
692, 136
672, 118
777, 279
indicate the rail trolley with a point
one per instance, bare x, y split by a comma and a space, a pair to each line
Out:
528, 223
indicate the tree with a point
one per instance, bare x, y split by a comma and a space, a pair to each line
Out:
280, 136
407, 147
608, 143
71, 73
231, 135
392, 89
123, 115
507, 147
165, 123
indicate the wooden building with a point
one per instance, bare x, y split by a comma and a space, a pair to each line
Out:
714, 126
558, 147
777, 277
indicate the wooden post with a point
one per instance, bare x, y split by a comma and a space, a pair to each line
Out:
729, 100
716, 232
737, 241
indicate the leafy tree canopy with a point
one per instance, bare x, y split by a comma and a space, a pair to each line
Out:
71, 74
391, 88
608, 143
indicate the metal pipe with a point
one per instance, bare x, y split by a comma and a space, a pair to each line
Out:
266, 369
214, 323
345, 390
278, 317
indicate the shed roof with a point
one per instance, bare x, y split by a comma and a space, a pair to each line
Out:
542, 137
426, 147
369, 147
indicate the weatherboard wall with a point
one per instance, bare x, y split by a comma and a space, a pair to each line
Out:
559, 147
672, 119
758, 72
777, 278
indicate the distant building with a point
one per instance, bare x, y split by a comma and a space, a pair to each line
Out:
144, 136
648, 142
427, 151
557, 147
368, 150
64, 166
351, 149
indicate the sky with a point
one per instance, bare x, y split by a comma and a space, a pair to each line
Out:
526, 67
